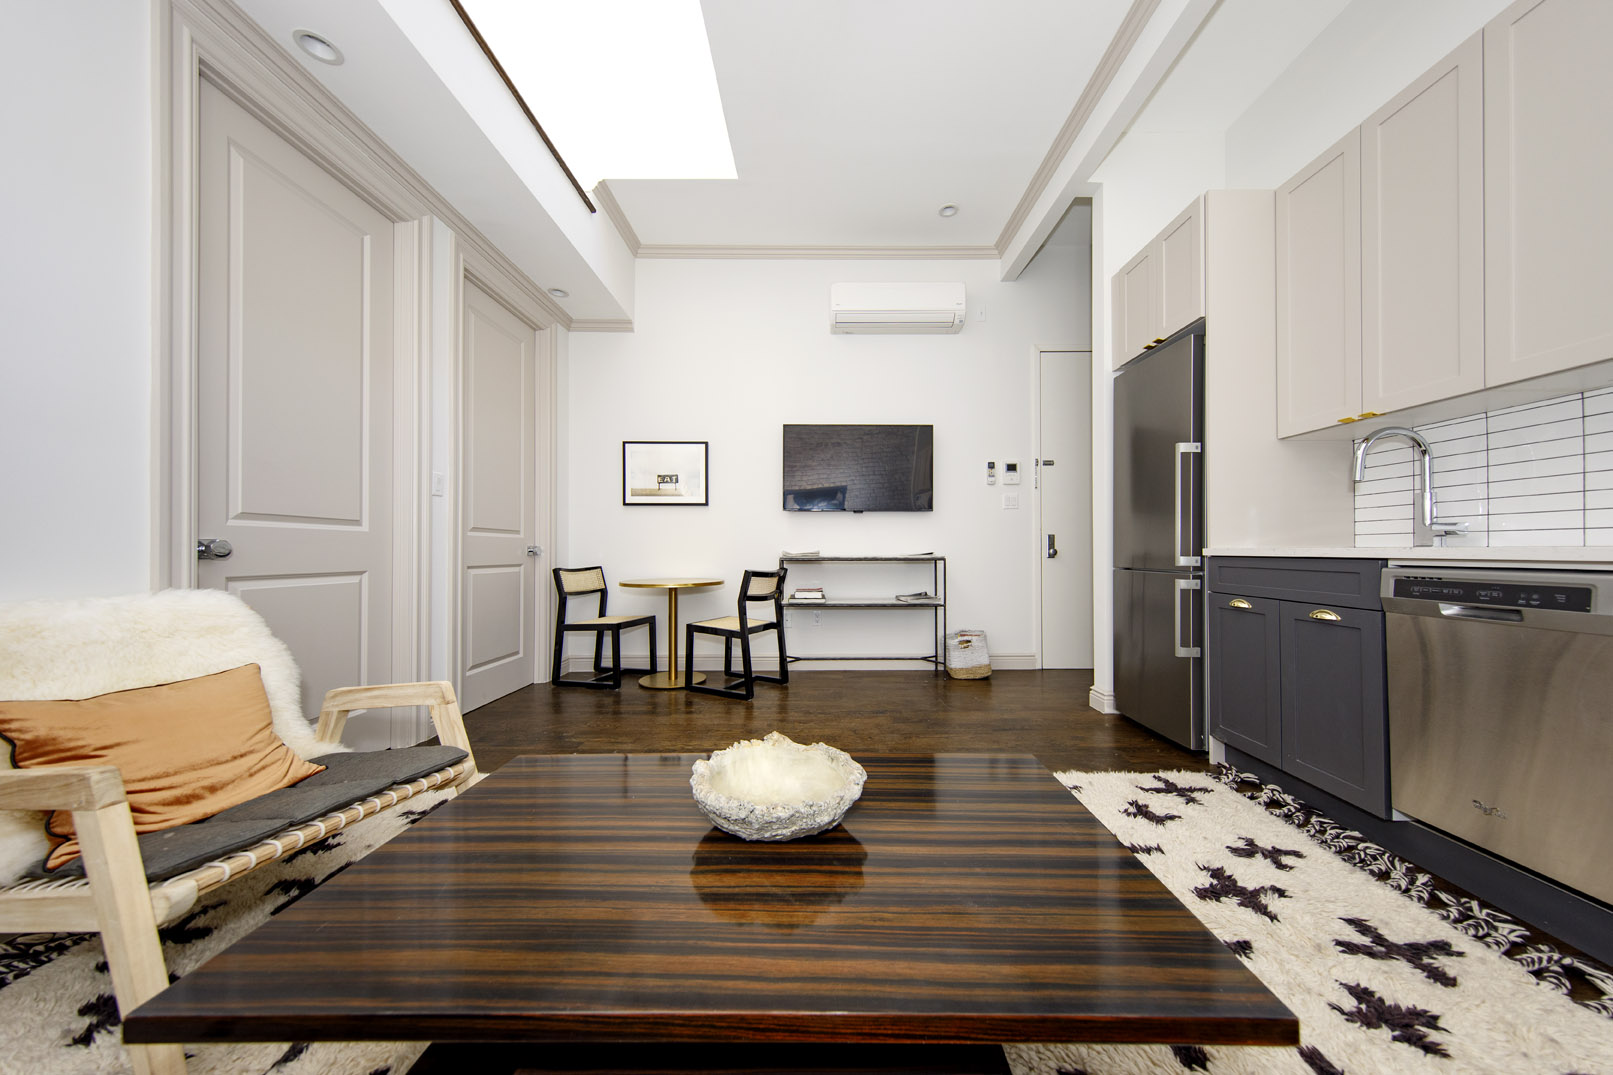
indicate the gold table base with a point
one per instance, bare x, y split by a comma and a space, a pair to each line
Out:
669, 681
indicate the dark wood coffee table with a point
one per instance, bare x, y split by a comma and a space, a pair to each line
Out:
585, 898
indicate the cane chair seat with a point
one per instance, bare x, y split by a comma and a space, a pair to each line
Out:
575, 582
757, 587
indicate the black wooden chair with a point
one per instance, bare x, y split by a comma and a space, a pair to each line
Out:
580, 582
757, 586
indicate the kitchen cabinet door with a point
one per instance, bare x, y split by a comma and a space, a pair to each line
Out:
1335, 728
1136, 305
1422, 238
1243, 672
1319, 292
1180, 255
1548, 152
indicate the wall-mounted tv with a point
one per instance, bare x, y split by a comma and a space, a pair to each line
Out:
859, 468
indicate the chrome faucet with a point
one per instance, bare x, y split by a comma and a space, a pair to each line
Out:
1430, 528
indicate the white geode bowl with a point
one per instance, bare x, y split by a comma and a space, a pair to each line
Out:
775, 788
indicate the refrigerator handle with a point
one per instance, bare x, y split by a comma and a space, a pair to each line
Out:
1184, 587
1186, 555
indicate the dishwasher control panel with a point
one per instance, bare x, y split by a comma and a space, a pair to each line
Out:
1554, 596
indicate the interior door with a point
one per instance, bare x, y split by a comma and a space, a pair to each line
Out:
1064, 488
294, 403
497, 493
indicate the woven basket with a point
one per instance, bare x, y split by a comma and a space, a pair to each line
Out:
967, 657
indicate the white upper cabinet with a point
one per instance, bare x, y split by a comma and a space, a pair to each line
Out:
1460, 240
1318, 233
1160, 290
1136, 305
1422, 238
1548, 219
1181, 270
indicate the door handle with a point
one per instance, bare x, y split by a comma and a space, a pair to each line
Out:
213, 549
1185, 554
1238, 602
1184, 587
1052, 547
534, 550
1325, 614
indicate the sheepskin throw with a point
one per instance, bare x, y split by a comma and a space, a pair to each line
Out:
74, 649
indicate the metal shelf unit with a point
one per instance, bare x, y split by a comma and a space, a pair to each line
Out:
937, 608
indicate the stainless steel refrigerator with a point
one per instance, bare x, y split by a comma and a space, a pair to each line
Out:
1159, 538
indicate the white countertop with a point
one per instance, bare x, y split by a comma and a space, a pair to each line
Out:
1599, 556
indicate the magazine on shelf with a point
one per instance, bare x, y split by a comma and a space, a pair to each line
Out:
917, 598
807, 593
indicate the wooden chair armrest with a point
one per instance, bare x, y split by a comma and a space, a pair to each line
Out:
61, 787
438, 697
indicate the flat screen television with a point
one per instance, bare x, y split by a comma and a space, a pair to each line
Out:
859, 468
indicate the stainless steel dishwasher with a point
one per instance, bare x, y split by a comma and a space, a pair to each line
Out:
1501, 713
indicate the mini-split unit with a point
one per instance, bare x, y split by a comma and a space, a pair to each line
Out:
893, 308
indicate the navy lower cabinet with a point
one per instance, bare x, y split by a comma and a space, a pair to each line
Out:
1243, 681
1295, 669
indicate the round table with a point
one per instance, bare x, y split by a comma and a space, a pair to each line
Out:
673, 678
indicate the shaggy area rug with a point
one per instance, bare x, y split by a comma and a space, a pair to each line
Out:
58, 1016
1385, 973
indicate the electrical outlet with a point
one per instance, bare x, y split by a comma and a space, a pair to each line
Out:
817, 618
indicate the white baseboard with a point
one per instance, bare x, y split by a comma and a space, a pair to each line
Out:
1000, 662
1101, 700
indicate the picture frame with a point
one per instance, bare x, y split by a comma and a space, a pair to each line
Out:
665, 472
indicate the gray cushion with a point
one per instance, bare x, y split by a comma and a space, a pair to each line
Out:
347, 779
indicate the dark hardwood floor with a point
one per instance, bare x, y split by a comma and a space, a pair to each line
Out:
1044, 713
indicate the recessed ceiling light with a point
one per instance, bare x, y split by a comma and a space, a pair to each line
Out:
560, 293
948, 210
317, 47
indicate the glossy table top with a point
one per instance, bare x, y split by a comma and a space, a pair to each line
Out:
964, 898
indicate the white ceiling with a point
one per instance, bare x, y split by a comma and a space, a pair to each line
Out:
852, 121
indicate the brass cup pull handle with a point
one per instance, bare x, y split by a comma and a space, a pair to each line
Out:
1324, 614
1238, 602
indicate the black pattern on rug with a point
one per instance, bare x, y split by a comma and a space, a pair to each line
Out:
1224, 886
1191, 1057
1141, 811
1492, 928
1246, 848
1188, 793
1407, 1024
23, 952
1417, 954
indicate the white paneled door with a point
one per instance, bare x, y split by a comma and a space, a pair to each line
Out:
294, 402
1064, 486
497, 494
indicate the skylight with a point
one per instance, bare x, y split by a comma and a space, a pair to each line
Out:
625, 89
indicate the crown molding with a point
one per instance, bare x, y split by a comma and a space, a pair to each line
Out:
1120, 46
613, 211
602, 324
818, 253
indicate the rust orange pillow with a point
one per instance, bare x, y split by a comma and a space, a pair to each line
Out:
186, 750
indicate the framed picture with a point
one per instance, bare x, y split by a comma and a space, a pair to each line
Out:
664, 472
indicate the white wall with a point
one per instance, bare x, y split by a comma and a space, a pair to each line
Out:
728, 351
75, 297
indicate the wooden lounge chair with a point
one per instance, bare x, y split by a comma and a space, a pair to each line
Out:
115, 897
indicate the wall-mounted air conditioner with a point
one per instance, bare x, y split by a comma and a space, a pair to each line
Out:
891, 308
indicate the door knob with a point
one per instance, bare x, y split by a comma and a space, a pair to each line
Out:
534, 550
1052, 547
213, 549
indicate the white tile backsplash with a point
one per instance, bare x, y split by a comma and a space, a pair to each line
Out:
1540, 474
